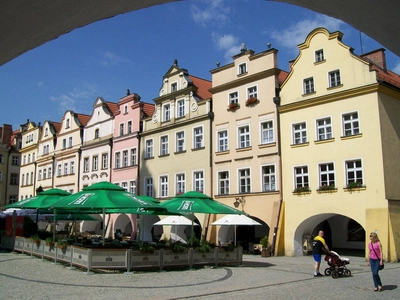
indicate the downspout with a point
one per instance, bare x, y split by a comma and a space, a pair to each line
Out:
277, 101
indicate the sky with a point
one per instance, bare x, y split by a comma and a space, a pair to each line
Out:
135, 50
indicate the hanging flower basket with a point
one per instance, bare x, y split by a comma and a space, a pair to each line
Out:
252, 101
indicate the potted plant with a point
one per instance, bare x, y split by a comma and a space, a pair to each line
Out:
327, 187
62, 245
302, 189
354, 185
36, 239
204, 247
230, 247
49, 242
251, 101
178, 248
266, 247
145, 248
233, 106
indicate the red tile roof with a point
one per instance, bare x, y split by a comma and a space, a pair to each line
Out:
203, 86
57, 126
83, 119
112, 107
388, 76
148, 109
282, 76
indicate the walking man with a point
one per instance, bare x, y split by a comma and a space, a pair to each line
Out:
318, 245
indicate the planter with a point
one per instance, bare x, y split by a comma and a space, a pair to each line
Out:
265, 253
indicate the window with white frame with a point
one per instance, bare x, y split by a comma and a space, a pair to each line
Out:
198, 137
354, 172
86, 164
27, 178
164, 145
242, 68
22, 179
70, 142
198, 181
31, 178
252, 92
299, 133
67, 124
326, 175
124, 185
180, 141
308, 85
117, 160
44, 173
15, 161
121, 129
234, 97
244, 181
97, 133
72, 167
64, 145
267, 132
65, 168
129, 127
148, 186
104, 161
46, 132
244, 136
132, 186
166, 112
334, 78
351, 124
223, 183
163, 186
174, 87
124, 158
133, 157
95, 163
149, 149
301, 177
324, 129
319, 55
180, 108
180, 183
40, 175
268, 178
50, 172
222, 140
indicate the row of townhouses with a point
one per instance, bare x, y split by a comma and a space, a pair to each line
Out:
315, 148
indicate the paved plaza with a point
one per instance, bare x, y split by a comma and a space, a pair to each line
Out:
25, 277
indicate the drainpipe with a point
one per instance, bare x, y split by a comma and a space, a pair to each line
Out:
211, 117
277, 101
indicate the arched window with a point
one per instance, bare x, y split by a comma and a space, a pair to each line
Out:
96, 134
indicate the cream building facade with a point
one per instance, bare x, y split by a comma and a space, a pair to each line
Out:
246, 161
340, 148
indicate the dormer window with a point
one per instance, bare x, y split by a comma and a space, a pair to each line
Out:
242, 69
67, 124
319, 55
46, 132
174, 87
126, 109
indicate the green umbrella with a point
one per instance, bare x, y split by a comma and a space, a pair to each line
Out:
73, 217
47, 197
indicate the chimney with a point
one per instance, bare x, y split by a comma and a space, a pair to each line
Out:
377, 57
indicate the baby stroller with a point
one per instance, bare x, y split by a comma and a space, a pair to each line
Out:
337, 265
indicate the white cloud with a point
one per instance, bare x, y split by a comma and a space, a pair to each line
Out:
297, 33
396, 69
209, 11
75, 100
228, 43
111, 59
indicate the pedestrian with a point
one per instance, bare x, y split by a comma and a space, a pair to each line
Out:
375, 259
319, 245
118, 234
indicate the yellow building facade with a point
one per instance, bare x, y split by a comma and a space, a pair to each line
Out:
340, 148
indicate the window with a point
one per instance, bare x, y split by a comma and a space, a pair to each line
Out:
244, 181
29, 158
164, 145
223, 183
117, 160
31, 178
125, 109
13, 199
299, 133
125, 158
27, 178
180, 141
198, 178
180, 183
308, 85
268, 178
354, 172
34, 157
166, 112
234, 97
198, 137
326, 175
96, 133
40, 175
244, 136
86, 164
44, 173
67, 124
163, 186
121, 129
95, 165
242, 68
301, 177
132, 187
148, 186
65, 168
46, 132
72, 167
64, 145
50, 173
351, 124
70, 142
174, 87
334, 78
324, 129
15, 161
180, 108
104, 161
124, 185
129, 127
149, 148
133, 157
24, 159
22, 179
252, 92
222, 140
319, 55
1, 158
267, 132
13, 179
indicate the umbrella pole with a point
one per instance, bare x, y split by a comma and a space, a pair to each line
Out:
104, 225
235, 235
54, 225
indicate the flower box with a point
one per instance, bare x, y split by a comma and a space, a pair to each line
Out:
302, 190
252, 101
233, 106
